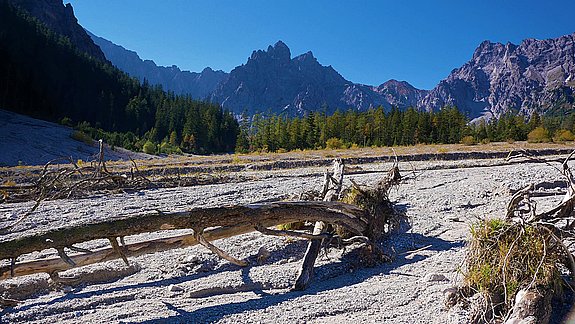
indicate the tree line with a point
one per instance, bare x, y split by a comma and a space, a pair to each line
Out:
376, 127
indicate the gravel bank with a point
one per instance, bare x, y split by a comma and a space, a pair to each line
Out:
192, 285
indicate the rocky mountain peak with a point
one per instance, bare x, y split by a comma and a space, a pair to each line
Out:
279, 51
306, 57
535, 75
271, 82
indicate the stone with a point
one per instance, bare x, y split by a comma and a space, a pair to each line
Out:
430, 277
450, 297
263, 255
192, 259
530, 307
175, 288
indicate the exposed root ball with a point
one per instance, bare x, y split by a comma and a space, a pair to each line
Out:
383, 218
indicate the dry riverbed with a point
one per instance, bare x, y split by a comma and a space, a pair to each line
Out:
441, 199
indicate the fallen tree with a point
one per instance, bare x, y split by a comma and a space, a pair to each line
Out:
209, 224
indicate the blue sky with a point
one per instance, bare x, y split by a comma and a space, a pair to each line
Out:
368, 42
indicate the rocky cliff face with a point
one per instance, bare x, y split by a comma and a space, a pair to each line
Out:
61, 20
197, 85
535, 75
273, 81
400, 93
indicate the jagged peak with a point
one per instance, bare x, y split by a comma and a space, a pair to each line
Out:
393, 83
305, 57
488, 47
279, 51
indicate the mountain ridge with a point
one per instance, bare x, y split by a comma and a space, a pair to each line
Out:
198, 85
272, 80
536, 75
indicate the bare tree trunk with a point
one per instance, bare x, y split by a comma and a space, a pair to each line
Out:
229, 221
331, 193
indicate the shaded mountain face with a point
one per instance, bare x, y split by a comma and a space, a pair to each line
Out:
535, 75
197, 85
272, 81
61, 19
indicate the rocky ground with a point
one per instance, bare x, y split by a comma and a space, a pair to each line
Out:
440, 198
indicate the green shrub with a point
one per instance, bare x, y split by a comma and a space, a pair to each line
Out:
167, 148
82, 137
66, 121
334, 143
468, 140
563, 135
149, 148
538, 135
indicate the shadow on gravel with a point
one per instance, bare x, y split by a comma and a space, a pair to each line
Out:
330, 276
293, 249
323, 281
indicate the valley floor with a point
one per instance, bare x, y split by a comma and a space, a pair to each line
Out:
441, 199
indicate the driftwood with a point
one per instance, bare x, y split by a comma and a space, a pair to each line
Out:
231, 221
332, 218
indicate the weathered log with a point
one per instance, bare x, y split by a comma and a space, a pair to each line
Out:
330, 193
234, 220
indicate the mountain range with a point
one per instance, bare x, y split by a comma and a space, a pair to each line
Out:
537, 75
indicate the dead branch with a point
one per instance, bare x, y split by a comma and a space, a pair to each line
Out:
219, 252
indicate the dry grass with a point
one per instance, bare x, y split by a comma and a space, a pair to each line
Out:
504, 257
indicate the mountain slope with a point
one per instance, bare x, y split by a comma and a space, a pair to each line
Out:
197, 85
273, 81
60, 19
400, 93
535, 75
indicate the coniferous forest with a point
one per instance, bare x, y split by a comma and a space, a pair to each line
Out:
376, 127
43, 75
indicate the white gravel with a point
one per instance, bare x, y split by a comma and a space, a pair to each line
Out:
441, 205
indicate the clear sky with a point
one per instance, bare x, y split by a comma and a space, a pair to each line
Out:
368, 42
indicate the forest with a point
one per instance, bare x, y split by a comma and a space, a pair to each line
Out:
376, 127
66, 85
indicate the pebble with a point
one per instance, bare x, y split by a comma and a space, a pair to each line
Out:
193, 259
434, 277
450, 297
263, 255
175, 288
